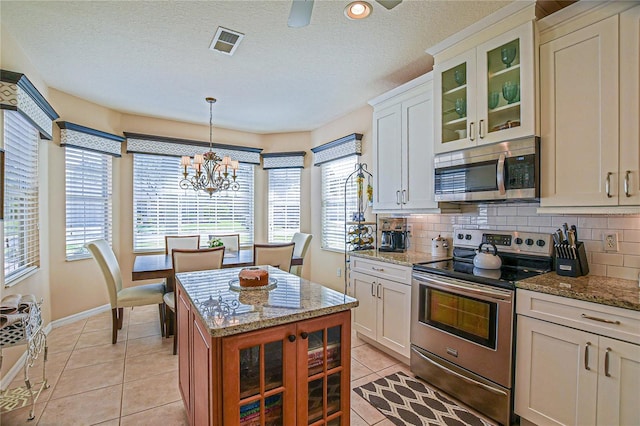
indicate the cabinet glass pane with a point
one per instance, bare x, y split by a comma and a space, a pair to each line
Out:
249, 371
250, 414
454, 103
334, 335
503, 83
334, 422
316, 399
273, 365
333, 393
273, 410
316, 352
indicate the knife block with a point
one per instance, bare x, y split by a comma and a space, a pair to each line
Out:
573, 267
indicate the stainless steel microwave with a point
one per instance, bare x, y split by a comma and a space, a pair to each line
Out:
498, 172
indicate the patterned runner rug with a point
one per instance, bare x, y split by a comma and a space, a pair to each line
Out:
406, 401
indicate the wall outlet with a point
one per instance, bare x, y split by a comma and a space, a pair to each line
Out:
410, 230
338, 272
611, 241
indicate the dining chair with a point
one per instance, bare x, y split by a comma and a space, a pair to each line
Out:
302, 242
189, 261
230, 241
171, 242
278, 255
119, 298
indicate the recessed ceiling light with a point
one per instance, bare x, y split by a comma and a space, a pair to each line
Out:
357, 10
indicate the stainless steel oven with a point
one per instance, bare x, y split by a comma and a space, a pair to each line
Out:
498, 172
465, 326
462, 318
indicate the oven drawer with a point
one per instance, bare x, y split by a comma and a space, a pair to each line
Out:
386, 270
618, 323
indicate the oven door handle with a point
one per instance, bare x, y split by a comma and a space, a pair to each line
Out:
460, 376
450, 285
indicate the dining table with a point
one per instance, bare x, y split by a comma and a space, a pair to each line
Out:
152, 266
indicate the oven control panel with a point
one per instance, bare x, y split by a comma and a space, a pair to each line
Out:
507, 241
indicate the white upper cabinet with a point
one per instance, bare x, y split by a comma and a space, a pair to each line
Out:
589, 89
486, 94
403, 148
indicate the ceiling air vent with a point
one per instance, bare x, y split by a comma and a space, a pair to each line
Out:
226, 41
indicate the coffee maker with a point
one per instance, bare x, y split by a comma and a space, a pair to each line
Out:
393, 235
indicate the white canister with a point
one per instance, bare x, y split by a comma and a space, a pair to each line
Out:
439, 246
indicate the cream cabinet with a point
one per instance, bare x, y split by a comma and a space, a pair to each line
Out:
403, 148
383, 291
568, 371
486, 94
589, 85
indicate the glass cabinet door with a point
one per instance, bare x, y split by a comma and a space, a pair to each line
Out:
505, 87
259, 384
455, 95
323, 371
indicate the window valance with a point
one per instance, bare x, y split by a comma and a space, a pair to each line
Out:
77, 136
19, 94
147, 144
340, 148
283, 160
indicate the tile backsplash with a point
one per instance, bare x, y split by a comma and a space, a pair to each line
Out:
624, 263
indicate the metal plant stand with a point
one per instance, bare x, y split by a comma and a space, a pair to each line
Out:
359, 234
28, 331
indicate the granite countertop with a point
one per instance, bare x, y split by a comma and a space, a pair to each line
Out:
406, 259
592, 288
228, 312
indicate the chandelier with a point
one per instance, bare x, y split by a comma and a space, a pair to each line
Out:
211, 173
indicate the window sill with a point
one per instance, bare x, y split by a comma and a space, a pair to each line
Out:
333, 250
23, 276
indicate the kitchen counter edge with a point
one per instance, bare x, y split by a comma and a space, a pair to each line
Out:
403, 259
609, 291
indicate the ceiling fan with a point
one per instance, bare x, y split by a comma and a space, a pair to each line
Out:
300, 14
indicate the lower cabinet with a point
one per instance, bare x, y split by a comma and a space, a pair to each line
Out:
384, 310
568, 376
297, 373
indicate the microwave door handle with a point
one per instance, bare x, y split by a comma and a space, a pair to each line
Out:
500, 174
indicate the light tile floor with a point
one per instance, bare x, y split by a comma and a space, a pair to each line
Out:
93, 382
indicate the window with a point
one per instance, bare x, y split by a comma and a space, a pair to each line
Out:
334, 175
161, 208
284, 204
21, 219
88, 200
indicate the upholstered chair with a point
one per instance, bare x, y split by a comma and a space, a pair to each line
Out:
278, 255
189, 242
301, 242
189, 261
146, 294
230, 241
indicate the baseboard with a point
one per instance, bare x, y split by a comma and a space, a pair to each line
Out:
17, 367
80, 315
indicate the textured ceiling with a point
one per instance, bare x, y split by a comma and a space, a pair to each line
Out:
152, 58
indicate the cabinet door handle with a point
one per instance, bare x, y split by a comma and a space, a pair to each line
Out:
471, 138
626, 183
398, 197
480, 129
377, 269
292, 337
378, 290
304, 334
372, 285
607, 185
586, 356
606, 362
585, 316
404, 199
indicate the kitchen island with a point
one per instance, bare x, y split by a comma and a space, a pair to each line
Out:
268, 356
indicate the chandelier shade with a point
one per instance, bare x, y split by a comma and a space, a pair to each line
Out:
211, 173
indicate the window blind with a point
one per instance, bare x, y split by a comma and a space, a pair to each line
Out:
21, 221
284, 204
334, 175
161, 208
88, 200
